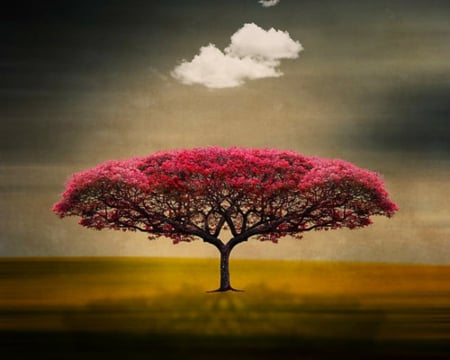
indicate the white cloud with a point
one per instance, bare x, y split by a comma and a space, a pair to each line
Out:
214, 69
268, 3
253, 53
251, 40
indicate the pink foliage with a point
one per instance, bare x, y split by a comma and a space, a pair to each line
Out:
263, 193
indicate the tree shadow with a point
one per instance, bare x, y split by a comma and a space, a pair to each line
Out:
232, 314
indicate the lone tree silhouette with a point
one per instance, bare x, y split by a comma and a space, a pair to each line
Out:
263, 194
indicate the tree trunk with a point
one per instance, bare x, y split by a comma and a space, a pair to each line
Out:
225, 283
225, 269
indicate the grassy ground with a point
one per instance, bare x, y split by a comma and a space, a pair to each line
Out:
159, 308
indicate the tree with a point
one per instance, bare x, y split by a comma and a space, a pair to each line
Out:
263, 194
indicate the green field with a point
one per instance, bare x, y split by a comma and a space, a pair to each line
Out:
159, 308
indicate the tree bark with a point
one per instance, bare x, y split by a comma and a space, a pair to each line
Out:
225, 282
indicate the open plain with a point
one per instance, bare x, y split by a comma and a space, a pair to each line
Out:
159, 308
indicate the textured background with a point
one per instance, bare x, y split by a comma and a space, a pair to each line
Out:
86, 81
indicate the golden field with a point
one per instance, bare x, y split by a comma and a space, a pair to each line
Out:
400, 309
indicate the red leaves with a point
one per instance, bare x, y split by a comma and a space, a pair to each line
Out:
187, 193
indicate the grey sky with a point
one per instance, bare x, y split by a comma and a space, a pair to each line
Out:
87, 81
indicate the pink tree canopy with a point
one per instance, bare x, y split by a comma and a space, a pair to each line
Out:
260, 193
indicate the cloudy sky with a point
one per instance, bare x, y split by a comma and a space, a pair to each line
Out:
87, 81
